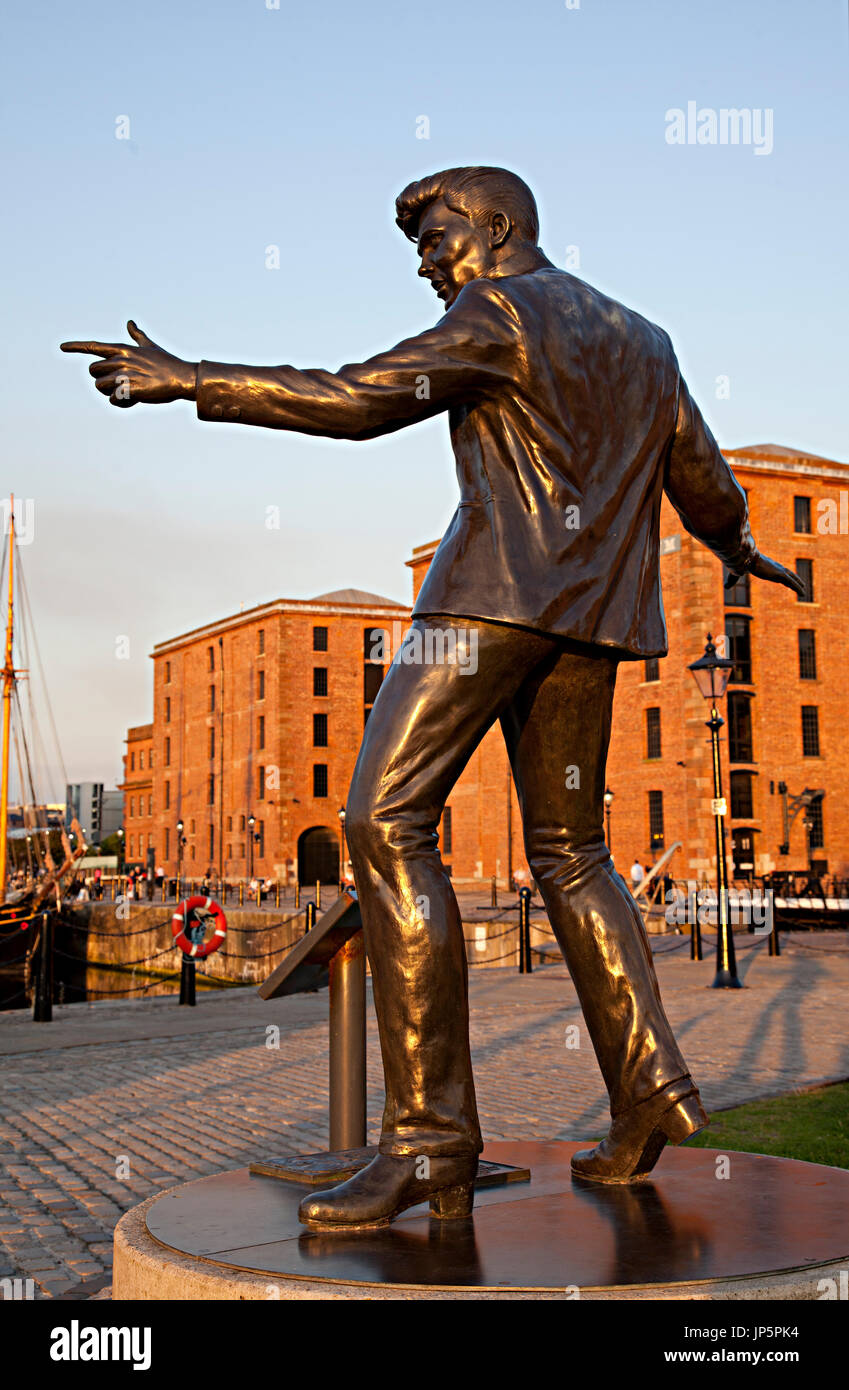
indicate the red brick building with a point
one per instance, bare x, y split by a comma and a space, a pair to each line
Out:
137, 787
257, 723
261, 715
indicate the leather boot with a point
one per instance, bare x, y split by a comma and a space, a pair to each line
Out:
638, 1136
390, 1184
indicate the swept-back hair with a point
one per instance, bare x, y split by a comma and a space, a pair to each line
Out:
474, 191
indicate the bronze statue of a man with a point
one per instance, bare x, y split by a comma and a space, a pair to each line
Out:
569, 418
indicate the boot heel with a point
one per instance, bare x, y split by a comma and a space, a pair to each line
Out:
453, 1202
683, 1120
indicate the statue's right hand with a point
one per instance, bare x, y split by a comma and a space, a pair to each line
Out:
144, 372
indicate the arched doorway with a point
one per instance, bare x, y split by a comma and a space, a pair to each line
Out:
318, 855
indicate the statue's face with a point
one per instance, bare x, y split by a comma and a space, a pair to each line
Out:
453, 250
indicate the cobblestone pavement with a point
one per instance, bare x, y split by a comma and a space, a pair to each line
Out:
115, 1100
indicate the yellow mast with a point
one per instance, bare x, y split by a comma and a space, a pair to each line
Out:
8, 687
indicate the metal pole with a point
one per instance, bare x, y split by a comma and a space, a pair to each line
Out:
187, 981
318, 892
310, 918
297, 895
43, 1010
348, 1046
726, 963
494, 892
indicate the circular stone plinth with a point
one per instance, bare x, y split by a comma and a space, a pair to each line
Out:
771, 1228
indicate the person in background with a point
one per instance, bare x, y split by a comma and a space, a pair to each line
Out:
637, 874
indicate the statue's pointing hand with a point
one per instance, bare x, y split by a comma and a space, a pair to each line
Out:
146, 372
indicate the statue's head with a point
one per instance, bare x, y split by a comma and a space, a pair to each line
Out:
465, 223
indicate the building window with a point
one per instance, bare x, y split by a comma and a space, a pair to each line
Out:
319, 731
810, 731
741, 796
168, 673
814, 815
740, 749
653, 733
242, 819
739, 595
319, 639
167, 795
805, 571
652, 668
319, 779
150, 758
141, 759
167, 843
375, 645
210, 789
210, 658
150, 804
167, 752
807, 654
132, 806
261, 641
211, 699
167, 709
738, 632
229, 825
446, 832
132, 762
260, 685
656, 837
260, 791
259, 839
319, 680
372, 680
211, 843
260, 731
802, 515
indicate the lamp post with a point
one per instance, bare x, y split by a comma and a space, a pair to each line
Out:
251, 824
120, 834
181, 840
712, 674
341, 814
608, 802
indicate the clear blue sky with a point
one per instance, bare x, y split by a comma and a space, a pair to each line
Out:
296, 127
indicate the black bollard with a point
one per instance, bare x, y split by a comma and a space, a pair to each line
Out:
774, 943
43, 1004
310, 918
494, 896
525, 966
187, 981
695, 927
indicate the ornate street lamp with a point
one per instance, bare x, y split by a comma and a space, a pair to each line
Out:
120, 834
608, 802
712, 674
251, 824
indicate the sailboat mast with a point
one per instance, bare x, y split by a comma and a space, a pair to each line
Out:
8, 686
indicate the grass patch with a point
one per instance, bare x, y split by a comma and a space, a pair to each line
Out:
813, 1127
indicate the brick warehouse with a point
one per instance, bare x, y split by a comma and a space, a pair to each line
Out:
291, 734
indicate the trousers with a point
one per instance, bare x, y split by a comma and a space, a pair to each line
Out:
554, 700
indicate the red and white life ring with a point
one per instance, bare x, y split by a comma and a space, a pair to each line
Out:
204, 907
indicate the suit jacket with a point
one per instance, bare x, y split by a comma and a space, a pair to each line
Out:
568, 417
